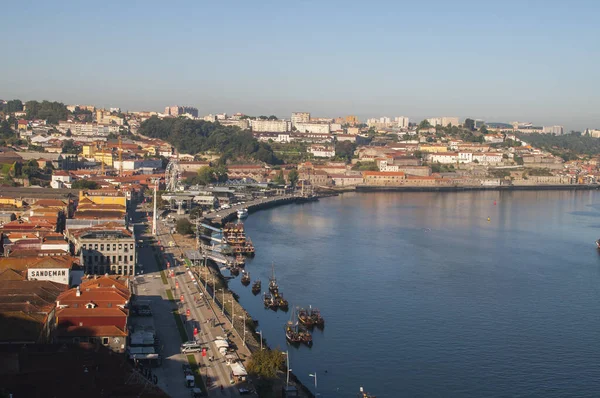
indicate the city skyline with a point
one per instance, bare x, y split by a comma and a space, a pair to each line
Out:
527, 62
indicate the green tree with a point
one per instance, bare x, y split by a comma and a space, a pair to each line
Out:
85, 184
483, 129
184, 227
52, 112
470, 124
265, 363
293, 177
345, 150
424, 124
70, 147
68, 133
279, 178
273, 117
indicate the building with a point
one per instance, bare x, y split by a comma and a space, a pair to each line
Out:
351, 120
443, 157
105, 248
300, 117
61, 179
383, 177
96, 311
443, 121
595, 133
344, 180
60, 269
177, 110
271, 126
321, 151
27, 309
556, 130
318, 128
401, 121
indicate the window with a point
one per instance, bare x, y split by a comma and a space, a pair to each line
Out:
105, 340
102, 247
96, 246
131, 245
114, 247
120, 258
120, 246
130, 258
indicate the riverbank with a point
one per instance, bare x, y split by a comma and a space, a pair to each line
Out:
573, 187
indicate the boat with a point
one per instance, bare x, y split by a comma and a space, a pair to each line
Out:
242, 213
305, 318
280, 302
291, 335
273, 287
256, 287
245, 278
598, 243
363, 394
296, 334
269, 302
234, 270
240, 261
317, 319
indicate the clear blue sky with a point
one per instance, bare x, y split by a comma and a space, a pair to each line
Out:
523, 60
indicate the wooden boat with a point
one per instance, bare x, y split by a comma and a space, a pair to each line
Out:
305, 317
240, 261
317, 319
291, 334
234, 270
280, 302
305, 336
256, 287
273, 287
363, 394
269, 302
245, 278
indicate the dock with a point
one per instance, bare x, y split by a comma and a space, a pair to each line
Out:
222, 216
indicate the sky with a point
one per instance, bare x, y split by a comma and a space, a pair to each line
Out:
500, 61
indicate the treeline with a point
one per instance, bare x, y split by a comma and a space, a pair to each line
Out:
567, 146
46, 110
12, 106
193, 136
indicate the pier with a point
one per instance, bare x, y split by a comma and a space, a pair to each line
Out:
222, 216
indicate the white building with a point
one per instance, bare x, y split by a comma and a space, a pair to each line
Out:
465, 157
384, 166
313, 128
269, 126
401, 121
592, 133
494, 138
61, 179
443, 157
321, 151
488, 157
443, 121
557, 130
300, 117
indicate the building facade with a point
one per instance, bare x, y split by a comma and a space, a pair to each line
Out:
300, 117
271, 126
105, 250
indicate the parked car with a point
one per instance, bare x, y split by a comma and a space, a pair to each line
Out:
191, 349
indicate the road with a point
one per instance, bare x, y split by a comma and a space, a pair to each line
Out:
151, 287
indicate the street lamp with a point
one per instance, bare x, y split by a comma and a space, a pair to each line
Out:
315, 376
287, 358
239, 316
260, 332
232, 312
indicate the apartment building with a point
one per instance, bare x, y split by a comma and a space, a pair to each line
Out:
300, 117
270, 126
176, 110
443, 121
319, 128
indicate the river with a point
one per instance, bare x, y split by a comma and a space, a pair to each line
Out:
423, 296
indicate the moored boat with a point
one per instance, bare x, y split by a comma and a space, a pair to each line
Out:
598, 243
256, 287
305, 318
317, 319
242, 213
273, 287
245, 278
240, 261
268, 301
280, 302
291, 334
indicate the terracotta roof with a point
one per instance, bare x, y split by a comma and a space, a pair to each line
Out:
11, 275
384, 173
24, 263
100, 296
91, 331
50, 202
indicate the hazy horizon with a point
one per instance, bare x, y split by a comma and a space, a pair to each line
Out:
533, 62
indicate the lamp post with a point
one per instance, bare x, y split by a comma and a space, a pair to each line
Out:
232, 313
315, 376
239, 316
287, 359
260, 332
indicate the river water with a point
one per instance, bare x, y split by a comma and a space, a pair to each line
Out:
424, 297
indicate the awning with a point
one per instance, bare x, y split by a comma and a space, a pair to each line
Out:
238, 369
